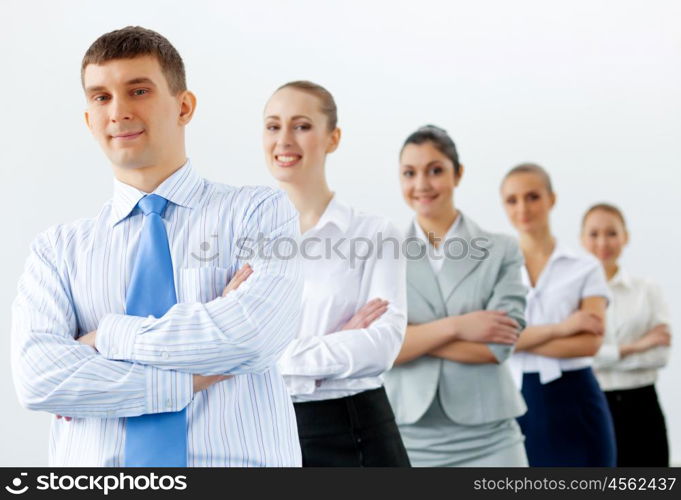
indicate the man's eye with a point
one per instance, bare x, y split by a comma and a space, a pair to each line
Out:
303, 126
99, 98
408, 173
140, 91
272, 127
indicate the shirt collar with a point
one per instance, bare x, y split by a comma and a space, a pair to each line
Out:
181, 188
621, 278
452, 232
336, 213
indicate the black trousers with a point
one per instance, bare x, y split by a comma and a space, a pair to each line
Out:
355, 431
640, 428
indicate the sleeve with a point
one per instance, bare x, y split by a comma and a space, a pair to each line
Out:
609, 353
366, 352
509, 294
595, 282
53, 372
658, 305
657, 357
243, 332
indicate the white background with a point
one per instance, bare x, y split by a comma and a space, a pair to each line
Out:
590, 89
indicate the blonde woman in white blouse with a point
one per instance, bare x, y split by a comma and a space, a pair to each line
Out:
354, 298
567, 421
635, 347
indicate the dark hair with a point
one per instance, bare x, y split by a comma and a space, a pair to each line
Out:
606, 207
440, 139
135, 41
328, 104
531, 168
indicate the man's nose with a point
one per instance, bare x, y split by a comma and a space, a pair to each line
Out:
120, 110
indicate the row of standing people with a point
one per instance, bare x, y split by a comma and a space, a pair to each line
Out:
118, 325
495, 367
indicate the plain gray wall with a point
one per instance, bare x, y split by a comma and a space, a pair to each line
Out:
589, 89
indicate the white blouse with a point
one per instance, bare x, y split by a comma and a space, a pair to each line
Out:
637, 306
325, 362
436, 255
567, 278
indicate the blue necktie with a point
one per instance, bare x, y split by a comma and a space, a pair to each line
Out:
157, 439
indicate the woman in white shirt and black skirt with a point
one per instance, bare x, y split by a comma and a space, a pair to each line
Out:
354, 297
635, 347
567, 421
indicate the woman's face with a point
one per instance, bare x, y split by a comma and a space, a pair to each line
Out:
427, 179
296, 138
527, 201
604, 235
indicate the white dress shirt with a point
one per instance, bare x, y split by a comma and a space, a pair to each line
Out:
437, 255
637, 306
75, 281
324, 362
567, 278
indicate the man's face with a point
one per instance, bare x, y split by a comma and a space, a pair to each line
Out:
131, 111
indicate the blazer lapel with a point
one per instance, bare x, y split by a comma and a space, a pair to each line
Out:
456, 270
420, 274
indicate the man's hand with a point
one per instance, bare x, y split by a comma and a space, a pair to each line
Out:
89, 339
203, 382
239, 277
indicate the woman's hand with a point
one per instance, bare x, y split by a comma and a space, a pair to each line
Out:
581, 321
657, 336
486, 326
369, 313
239, 277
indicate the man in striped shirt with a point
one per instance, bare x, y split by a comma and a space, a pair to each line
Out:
75, 352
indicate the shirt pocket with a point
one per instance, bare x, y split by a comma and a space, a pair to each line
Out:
201, 284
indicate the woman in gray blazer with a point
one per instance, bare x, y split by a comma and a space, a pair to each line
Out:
451, 389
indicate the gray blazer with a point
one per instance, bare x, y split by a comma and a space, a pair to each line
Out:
486, 278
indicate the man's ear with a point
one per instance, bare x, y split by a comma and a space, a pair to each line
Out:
187, 107
86, 115
335, 141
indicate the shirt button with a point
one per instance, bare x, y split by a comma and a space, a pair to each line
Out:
165, 355
317, 383
169, 404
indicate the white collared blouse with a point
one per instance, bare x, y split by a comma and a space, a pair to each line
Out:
343, 269
637, 306
567, 278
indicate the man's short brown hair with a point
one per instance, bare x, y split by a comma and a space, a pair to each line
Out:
135, 41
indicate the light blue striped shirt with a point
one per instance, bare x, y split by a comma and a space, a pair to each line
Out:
75, 281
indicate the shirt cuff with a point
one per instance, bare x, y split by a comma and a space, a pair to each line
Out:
608, 353
116, 335
299, 386
167, 390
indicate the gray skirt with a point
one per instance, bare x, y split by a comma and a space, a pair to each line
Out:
436, 441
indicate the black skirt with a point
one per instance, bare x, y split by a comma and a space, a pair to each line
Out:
355, 431
640, 429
